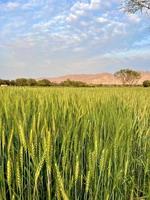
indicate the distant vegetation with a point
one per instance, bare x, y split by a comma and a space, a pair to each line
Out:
26, 82
73, 83
146, 83
43, 82
128, 77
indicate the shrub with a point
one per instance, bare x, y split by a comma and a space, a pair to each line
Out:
146, 83
21, 82
31, 82
71, 83
44, 82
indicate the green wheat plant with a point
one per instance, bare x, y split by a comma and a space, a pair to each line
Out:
74, 143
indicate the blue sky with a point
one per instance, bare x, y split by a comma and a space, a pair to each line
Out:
56, 37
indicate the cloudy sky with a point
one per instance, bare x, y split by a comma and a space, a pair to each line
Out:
56, 37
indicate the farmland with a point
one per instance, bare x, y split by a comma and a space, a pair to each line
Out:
75, 143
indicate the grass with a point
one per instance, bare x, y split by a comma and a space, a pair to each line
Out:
69, 143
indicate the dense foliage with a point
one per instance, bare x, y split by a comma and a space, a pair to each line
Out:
68, 83
27, 82
68, 143
146, 83
43, 82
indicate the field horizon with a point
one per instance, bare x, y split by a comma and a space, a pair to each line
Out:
95, 78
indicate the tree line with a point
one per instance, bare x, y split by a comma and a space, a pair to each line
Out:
43, 82
127, 77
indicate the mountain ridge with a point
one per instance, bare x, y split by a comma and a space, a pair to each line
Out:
98, 78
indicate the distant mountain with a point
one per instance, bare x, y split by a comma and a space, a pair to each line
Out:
101, 78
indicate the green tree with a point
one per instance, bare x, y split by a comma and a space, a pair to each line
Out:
12, 82
1, 82
128, 76
146, 83
31, 82
4, 82
69, 83
21, 82
44, 82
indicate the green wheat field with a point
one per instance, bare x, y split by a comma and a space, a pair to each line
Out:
74, 143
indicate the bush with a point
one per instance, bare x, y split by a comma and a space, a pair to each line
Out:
44, 82
4, 82
146, 83
71, 83
21, 82
31, 82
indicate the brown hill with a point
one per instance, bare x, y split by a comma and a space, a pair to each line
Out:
101, 78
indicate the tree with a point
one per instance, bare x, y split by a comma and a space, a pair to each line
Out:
4, 82
44, 82
128, 76
12, 83
31, 82
71, 83
21, 82
1, 82
133, 6
146, 83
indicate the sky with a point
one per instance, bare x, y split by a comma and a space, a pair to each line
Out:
48, 38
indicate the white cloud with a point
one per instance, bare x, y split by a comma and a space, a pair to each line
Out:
134, 18
28, 5
79, 6
78, 49
102, 20
116, 59
71, 18
81, 9
111, 27
95, 4
39, 30
42, 25
10, 5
